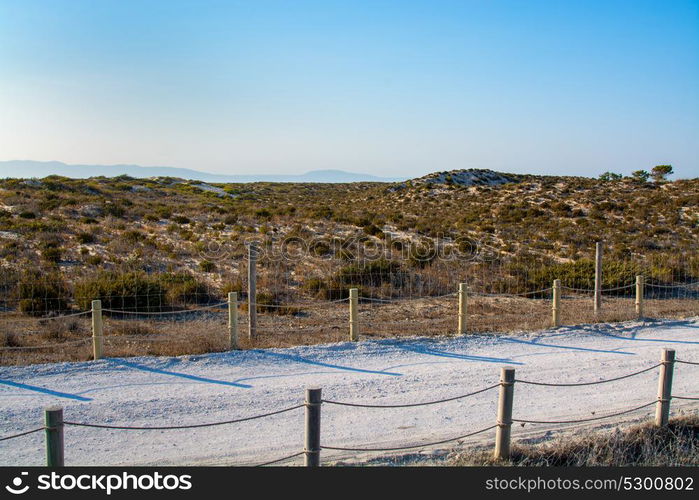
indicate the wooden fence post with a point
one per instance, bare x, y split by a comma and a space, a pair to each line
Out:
312, 436
53, 420
639, 296
556, 307
354, 314
504, 423
252, 291
598, 277
97, 329
463, 311
662, 407
233, 320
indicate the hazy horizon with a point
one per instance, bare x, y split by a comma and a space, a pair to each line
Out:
30, 168
391, 89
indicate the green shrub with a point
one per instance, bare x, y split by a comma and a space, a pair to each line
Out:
40, 294
372, 230
52, 254
93, 260
369, 273
271, 304
133, 291
114, 210
207, 266
183, 289
363, 276
85, 237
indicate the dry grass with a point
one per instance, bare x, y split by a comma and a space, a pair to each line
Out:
639, 445
319, 323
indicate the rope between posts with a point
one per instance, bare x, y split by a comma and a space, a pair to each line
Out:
685, 397
618, 288
163, 313
423, 445
512, 295
171, 427
408, 299
22, 434
63, 316
591, 290
578, 289
584, 419
410, 405
529, 382
160, 337
683, 285
272, 462
687, 362
45, 346
298, 305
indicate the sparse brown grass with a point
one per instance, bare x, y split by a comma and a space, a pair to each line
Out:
639, 445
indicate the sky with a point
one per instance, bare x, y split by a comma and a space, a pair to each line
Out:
391, 88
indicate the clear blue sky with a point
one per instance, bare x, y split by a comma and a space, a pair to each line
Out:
386, 87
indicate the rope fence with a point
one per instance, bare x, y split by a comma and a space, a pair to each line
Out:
279, 460
578, 421
411, 447
410, 405
25, 433
313, 403
175, 427
577, 384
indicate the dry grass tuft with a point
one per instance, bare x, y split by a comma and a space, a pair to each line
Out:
639, 445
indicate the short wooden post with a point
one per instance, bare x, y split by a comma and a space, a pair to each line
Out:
639, 296
53, 421
662, 407
504, 423
463, 311
252, 291
556, 307
312, 438
233, 320
97, 329
598, 277
354, 314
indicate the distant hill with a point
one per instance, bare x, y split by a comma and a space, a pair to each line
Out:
39, 169
462, 178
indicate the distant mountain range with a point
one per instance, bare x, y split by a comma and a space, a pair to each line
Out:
39, 169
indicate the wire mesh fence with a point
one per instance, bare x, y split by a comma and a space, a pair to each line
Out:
302, 296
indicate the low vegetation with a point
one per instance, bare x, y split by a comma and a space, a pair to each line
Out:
533, 228
165, 244
639, 445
